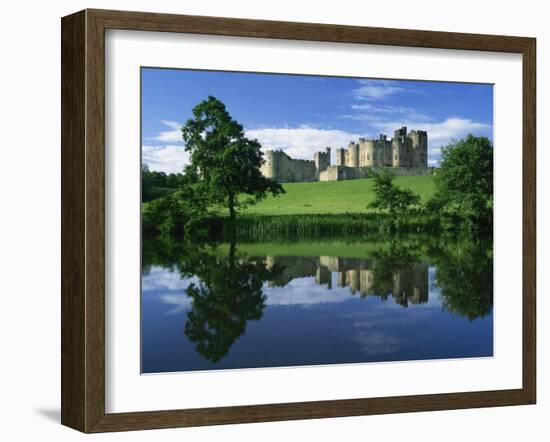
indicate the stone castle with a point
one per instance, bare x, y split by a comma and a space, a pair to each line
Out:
406, 153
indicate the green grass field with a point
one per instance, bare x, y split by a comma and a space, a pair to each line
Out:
351, 196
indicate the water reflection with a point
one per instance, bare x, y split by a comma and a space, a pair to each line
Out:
227, 296
407, 282
254, 294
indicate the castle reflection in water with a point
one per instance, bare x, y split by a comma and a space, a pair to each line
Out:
408, 285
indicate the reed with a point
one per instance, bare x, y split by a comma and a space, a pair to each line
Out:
318, 226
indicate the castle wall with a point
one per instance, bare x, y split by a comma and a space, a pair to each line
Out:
279, 166
407, 171
340, 173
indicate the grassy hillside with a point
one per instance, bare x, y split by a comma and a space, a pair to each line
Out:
351, 196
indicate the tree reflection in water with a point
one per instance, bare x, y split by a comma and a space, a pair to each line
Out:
464, 273
227, 296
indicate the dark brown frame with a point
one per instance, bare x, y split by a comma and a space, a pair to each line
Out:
83, 216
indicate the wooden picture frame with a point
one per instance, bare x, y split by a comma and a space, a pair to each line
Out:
83, 220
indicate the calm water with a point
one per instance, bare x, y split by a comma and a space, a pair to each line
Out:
287, 304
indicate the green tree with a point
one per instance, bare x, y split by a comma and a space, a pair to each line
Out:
464, 186
398, 203
223, 160
155, 184
185, 210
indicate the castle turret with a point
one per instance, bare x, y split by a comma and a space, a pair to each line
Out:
340, 157
367, 152
322, 160
397, 151
419, 148
352, 157
268, 167
399, 147
383, 148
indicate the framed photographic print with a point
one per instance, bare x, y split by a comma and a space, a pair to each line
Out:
269, 220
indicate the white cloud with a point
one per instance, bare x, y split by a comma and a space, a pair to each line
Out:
160, 278
168, 159
376, 89
302, 141
169, 136
304, 291
298, 142
180, 303
383, 109
375, 343
380, 113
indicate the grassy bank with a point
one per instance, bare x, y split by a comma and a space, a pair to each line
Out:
336, 197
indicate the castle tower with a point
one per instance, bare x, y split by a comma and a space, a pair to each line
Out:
367, 153
398, 147
340, 157
352, 157
322, 160
419, 148
382, 152
389, 160
397, 152
268, 168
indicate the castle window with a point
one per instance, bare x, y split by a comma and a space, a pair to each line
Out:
367, 156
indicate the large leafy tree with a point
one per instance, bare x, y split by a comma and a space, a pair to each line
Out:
464, 180
224, 163
390, 198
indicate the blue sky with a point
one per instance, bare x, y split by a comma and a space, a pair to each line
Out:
304, 114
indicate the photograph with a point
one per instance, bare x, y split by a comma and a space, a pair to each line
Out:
303, 220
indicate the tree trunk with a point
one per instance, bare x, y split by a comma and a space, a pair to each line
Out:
231, 206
